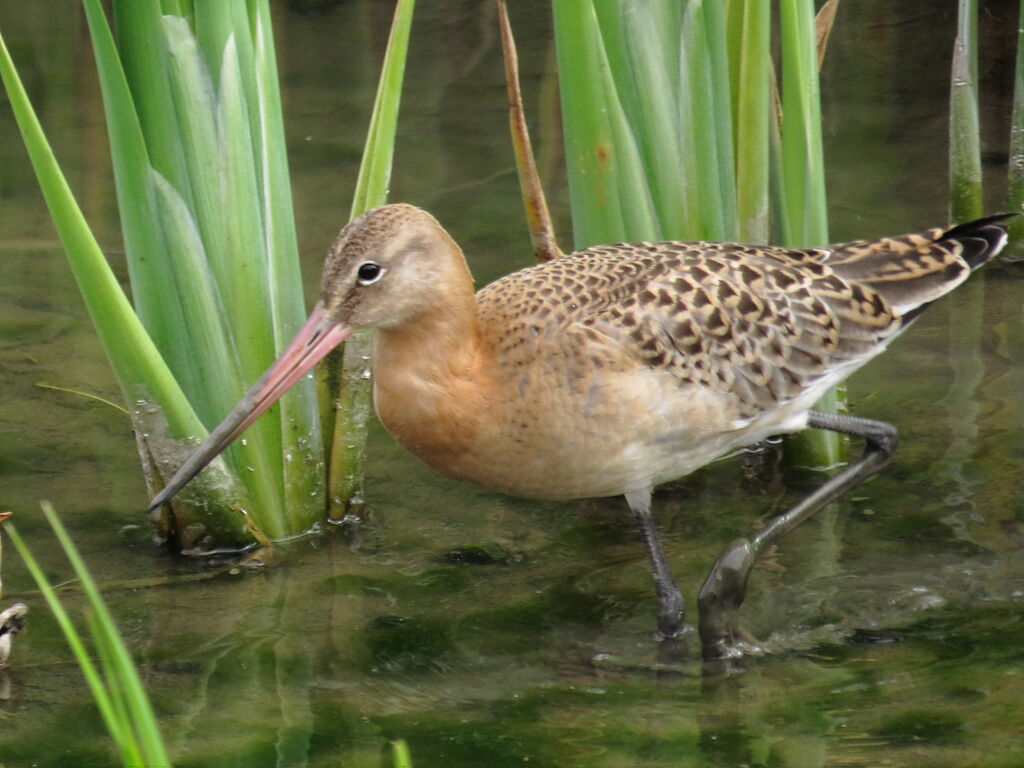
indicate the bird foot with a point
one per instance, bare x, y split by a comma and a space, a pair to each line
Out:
671, 612
719, 601
674, 630
730, 647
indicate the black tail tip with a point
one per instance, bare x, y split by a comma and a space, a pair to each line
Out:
981, 239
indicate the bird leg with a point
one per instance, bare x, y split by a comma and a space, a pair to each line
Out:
726, 585
671, 606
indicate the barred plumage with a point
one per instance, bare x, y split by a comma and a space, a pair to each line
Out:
613, 369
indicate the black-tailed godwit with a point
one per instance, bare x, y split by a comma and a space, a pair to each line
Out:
616, 368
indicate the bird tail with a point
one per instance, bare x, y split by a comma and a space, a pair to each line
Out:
912, 271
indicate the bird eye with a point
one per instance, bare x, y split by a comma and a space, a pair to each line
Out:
369, 273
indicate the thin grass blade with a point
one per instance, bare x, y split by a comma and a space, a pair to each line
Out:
378, 153
219, 156
301, 434
538, 217
148, 265
802, 153
642, 45
803, 183
824, 21
965, 184
140, 369
721, 104
210, 343
609, 194
244, 285
212, 142
400, 755
138, 24
750, 47
242, 272
1015, 174
706, 122
348, 445
121, 665
108, 670
195, 105
154, 231
212, 24
119, 729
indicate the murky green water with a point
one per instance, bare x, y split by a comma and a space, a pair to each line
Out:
491, 631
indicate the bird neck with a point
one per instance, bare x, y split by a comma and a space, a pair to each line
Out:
440, 342
430, 376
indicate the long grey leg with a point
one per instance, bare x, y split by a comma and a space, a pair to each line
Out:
671, 606
726, 585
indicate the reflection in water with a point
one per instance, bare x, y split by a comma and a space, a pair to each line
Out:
490, 631
968, 368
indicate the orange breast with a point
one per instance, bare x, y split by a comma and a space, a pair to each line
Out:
561, 415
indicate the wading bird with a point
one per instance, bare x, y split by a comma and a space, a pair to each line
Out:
618, 367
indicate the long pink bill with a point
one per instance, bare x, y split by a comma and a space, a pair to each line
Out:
316, 338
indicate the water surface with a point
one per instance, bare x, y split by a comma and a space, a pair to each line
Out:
492, 631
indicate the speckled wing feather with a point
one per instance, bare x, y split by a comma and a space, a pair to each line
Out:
759, 323
914, 270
